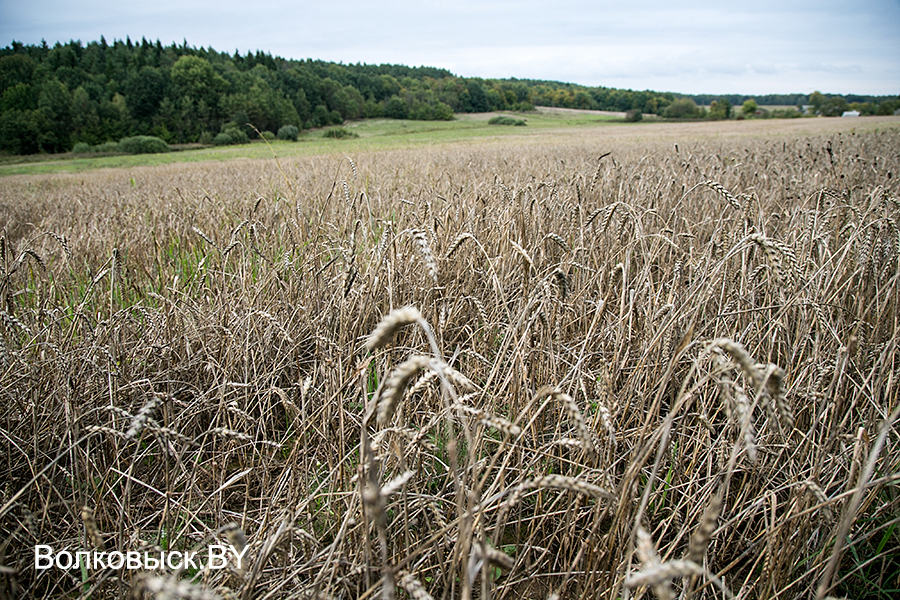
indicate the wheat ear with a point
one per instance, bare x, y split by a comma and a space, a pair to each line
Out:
700, 539
394, 386
585, 432
413, 586
391, 324
90, 527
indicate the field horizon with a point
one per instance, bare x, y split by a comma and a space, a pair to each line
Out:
389, 134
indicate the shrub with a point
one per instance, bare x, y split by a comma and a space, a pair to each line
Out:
634, 115
501, 120
442, 112
339, 133
82, 148
107, 148
396, 108
683, 108
749, 107
336, 118
288, 133
267, 135
229, 135
834, 107
719, 109
786, 113
238, 135
206, 138
373, 109
143, 144
320, 116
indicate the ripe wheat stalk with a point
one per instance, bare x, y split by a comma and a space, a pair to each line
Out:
484, 372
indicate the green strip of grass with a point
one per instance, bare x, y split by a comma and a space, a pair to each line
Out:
374, 134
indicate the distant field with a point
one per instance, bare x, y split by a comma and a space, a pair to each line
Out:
386, 134
374, 134
769, 107
576, 359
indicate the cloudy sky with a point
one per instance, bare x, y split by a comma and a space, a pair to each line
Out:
749, 47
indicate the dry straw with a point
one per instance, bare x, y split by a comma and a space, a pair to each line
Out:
268, 367
170, 589
587, 435
489, 420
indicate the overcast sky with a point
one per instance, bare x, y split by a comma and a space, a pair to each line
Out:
749, 47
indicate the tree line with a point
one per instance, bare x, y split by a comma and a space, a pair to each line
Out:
52, 98
784, 99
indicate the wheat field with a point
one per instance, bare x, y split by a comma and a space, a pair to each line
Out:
552, 368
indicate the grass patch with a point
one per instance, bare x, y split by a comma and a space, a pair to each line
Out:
504, 120
339, 133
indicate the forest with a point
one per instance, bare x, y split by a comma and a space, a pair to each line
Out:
55, 98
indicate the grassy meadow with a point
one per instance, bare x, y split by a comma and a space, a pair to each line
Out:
566, 360
373, 134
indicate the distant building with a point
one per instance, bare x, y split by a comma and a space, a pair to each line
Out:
850, 113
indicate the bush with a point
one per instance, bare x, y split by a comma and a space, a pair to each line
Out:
82, 148
320, 116
143, 144
288, 133
373, 109
238, 135
230, 135
107, 148
719, 109
267, 135
749, 108
339, 133
634, 115
206, 138
834, 107
442, 112
507, 121
396, 108
683, 108
336, 118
